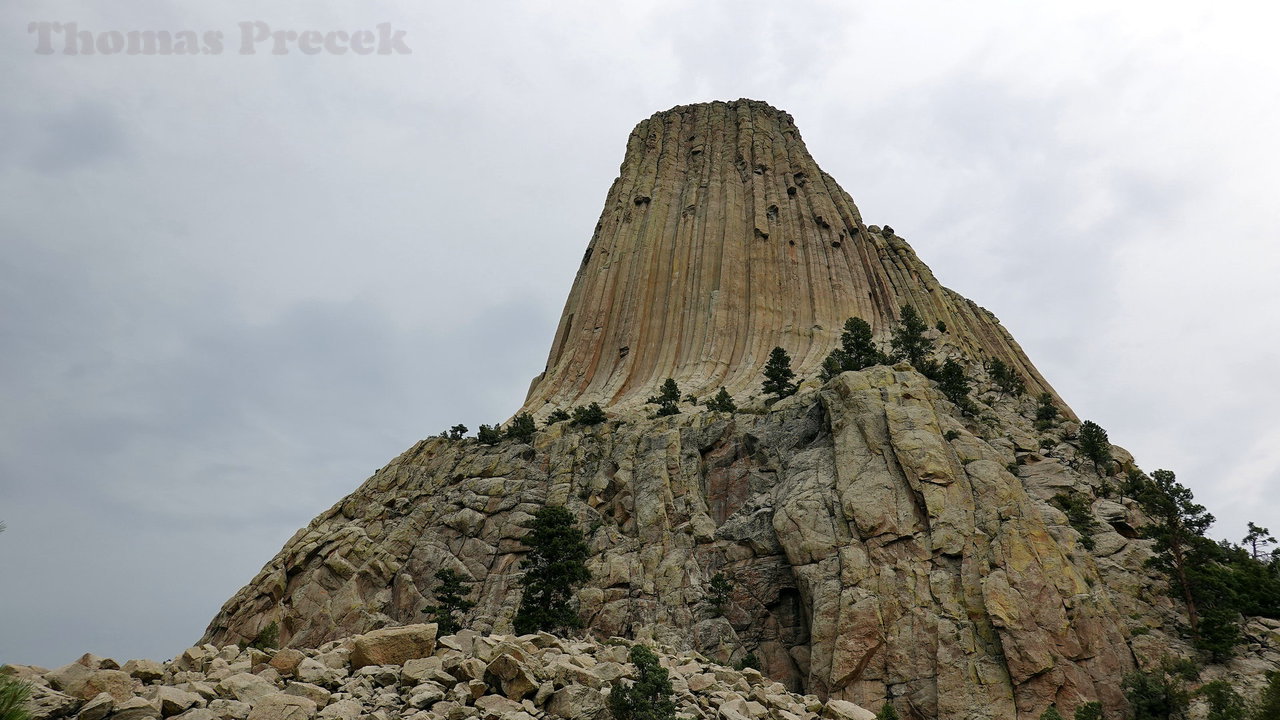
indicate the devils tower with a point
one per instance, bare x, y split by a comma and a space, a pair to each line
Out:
883, 544
721, 239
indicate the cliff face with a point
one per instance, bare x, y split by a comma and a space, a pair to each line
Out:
720, 239
881, 544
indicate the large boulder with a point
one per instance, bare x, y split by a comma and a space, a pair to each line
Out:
393, 646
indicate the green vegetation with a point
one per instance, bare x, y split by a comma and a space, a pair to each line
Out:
1079, 515
1268, 704
268, 638
748, 661
721, 402
667, 399
953, 383
557, 415
1051, 714
1159, 694
1005, 378
1046, 412
588, 414
909, 343
1216, 581
457, 432
718, 593
887, 713
553, 570
778, 375
1089, 711
1223, 701
650, 696
451, 601
13, 698
857, 350
521, 428
941, 326
489, 434
1257, 539
1095, 445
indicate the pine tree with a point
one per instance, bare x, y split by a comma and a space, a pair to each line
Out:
778, 375
1095, 445
1046, 412
1178, 523
557, 415
909, 343
489, 434
554, 568
722, 402
1051, 714
650, 696
718, 593
457, 432
521, 427
588, 414
1258, 539
1005, 378
1223, 701
667, 399
953, 383
1268, 704
887, 712
857, 345
1159, 694
451, 601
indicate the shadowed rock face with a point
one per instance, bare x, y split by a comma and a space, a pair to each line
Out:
721, 239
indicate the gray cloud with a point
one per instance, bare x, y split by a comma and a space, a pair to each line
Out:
234, 286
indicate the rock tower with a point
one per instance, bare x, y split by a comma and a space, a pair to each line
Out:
721, 239
883, 545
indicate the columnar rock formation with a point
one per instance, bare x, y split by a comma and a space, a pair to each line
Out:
883, 545
721, 239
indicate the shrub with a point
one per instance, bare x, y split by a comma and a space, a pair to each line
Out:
13, 698
268, 638
557, 415
588, 414
457, 432
1268, 704
941, 326
1089, 711
1005, 378
887, 713
521, 427
950, 435
1051, 714
1223, 701
1046, 412
778, 375
451, 596
489, 434
667, 399
1079, 515
553, 570
649, 697
748, 661
722, 402
1159, 694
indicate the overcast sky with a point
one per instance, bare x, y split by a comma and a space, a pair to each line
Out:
232, 285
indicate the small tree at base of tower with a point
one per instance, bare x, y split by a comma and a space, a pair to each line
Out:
1258, 539
953, 383
1095, 445
650, 696
1046, 412
521, 428
778, 375
451, 601
722, 402
667, 399
909, 343
588, 414
557, 415
554, 569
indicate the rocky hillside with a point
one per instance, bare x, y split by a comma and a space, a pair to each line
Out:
882, 546
406, 672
